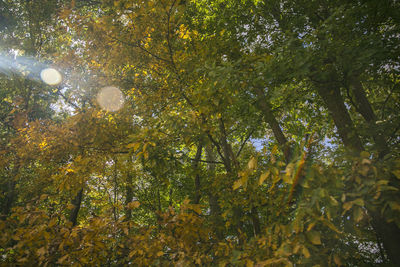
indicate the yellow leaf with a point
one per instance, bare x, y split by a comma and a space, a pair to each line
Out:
347, 206
160, 253
237, 184
62, 259
306, 252
310, 226
196, 208
357, 214
396, 173
133, 205
130, 145
41, 251
314, 237
337, 260
252, 163
263, 177
394, 205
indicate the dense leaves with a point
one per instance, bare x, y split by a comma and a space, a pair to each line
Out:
248, 133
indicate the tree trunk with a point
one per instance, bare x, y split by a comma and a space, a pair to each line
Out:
10, 193
215, 210
129, 196
73, 217
363, 106
345, 127
388, 232
9, 198
269, 118
255, 220
197, 182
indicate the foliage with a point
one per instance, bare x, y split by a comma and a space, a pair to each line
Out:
252, 133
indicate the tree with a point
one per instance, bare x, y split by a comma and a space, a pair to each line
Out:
150, 156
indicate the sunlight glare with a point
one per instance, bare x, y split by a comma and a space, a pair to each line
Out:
51, 76
110, 98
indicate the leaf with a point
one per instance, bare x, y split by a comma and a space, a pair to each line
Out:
263, 177
357, 214
62, 259
359, 202
237, 184
133, 205
160, 253
249, 263
347, 206
130, 145
252, 163
314, 237
337, 260
396, 173
306, 252
394, 205
41, 251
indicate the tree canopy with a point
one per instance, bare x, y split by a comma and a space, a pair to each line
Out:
199, 133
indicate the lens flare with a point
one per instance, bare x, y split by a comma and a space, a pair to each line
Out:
51, 76
110, 98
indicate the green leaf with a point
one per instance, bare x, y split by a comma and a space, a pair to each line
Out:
314, 237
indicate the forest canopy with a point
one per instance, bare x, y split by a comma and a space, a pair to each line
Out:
199, 133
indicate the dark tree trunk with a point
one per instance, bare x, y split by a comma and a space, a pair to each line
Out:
215, 210
73, 217
129, 196
334, 102
256, 221
269, 117
197, 182
9, 198
10, 193
389, 233
364, 107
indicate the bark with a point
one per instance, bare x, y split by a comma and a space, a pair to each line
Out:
364, 107
10, 194
129, 196
255, 220
197, 182
389, 233
345, 127
215, 209
231, 163
73, 217
9, 199
269, 118
229, 157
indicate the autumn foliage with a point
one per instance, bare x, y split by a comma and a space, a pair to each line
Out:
199, 133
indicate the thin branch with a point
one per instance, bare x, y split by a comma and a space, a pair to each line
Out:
206, 161
138, 45
244, 143
386, 100
66, 99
